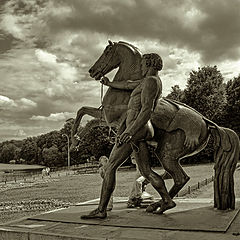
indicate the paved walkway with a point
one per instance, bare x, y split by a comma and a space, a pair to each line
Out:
193, 218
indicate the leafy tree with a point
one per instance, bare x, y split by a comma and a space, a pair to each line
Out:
205, 91
17, 153
48, 140
232, 110
29, 150
94, 140
52, 157
176, 93
7, 152
67, 127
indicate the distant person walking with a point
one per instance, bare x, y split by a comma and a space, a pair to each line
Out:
46, 171
138, 193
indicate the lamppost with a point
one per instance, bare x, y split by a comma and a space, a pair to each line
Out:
68, 149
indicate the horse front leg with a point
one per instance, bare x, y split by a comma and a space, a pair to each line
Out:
91, 111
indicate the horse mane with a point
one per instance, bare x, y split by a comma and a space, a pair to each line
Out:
134, 49
133, 61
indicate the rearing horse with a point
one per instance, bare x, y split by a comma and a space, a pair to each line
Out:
115, 101
180, 131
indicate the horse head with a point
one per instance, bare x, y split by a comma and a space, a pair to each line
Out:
116, 54
106, 62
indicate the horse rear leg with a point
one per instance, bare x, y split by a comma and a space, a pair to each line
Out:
180, 178
171, 150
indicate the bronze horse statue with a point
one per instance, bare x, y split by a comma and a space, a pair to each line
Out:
180, 131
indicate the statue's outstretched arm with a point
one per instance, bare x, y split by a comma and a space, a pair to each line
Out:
124, 85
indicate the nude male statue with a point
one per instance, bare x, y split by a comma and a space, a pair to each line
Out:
134, 132
145, 93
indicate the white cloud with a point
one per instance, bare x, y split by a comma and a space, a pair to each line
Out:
63, 71
6, 102
45, 57
9, 104
71, 35
27, 103
21, 18
20, 133
62, 74
9, 24
229, 69
54, 117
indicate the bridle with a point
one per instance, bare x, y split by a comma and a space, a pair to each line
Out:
104, 65
101, 108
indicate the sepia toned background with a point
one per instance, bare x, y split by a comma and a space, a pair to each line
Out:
47, 47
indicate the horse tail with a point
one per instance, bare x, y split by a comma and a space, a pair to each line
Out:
226, 155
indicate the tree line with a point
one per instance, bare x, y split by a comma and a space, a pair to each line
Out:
205, 91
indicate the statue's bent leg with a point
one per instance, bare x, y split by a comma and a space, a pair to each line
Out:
117, 157
155, 179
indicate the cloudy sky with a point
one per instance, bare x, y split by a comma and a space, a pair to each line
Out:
47, 47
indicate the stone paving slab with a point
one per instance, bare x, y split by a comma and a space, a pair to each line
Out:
224, 224
189, 216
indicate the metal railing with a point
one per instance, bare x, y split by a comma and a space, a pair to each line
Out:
189, 189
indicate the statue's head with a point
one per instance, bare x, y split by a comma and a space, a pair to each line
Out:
153, 60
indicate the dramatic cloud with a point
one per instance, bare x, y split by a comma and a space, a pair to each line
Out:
6, 102
63, 75
17, 105
47, 48
27, 103
208, 27
54, 117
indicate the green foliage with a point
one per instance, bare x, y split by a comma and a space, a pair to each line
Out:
29, 150
48, 149
95, 140
232, 110
176, 93
205, 91
67, 127
51, 149
52, 157
8, 152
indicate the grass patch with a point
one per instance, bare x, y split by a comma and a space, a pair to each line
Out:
70, 189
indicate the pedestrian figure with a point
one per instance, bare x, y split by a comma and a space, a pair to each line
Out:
138, 193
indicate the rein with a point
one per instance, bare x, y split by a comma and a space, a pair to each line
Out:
101, 108
135, 72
